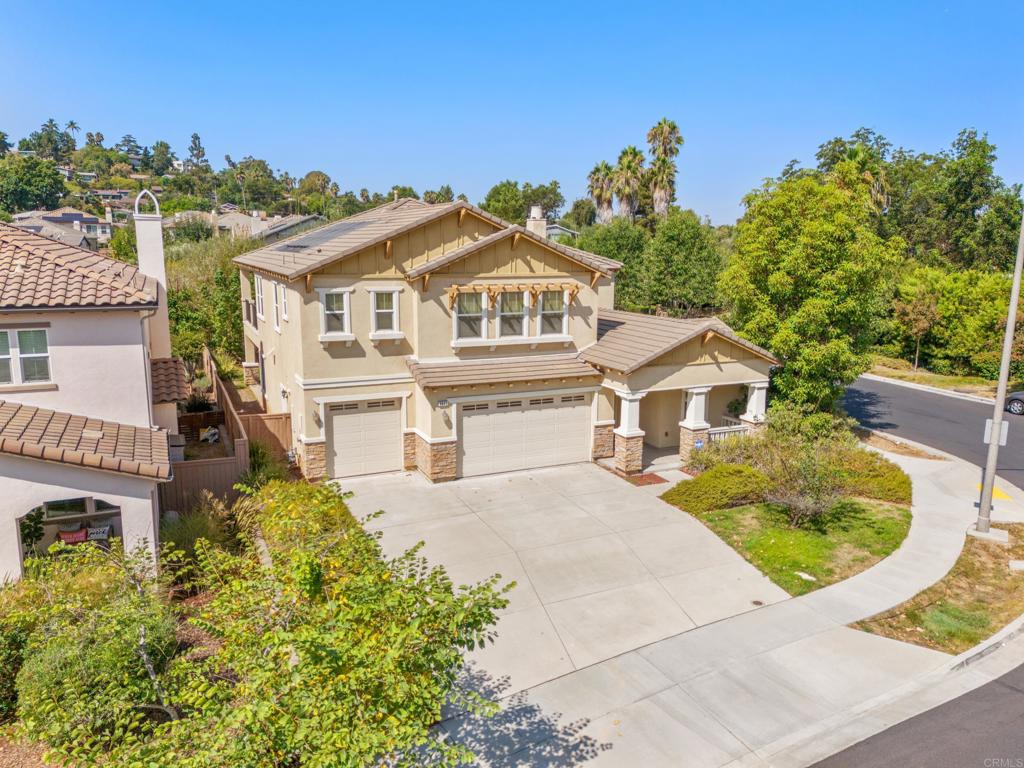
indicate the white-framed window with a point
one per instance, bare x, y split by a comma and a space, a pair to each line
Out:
284, 301
554, 315
471, 316
275, 289
513, 314
25, 356
384, 318
335, 313
258, 286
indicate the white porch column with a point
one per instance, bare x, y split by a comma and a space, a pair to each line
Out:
757, 402
695, 416
629, 438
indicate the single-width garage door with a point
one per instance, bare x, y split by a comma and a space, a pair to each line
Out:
364, 437
523, 433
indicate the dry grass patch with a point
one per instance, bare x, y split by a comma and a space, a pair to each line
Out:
893, 368
978, 597
889, 445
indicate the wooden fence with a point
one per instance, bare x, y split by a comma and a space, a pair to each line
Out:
274, 430
191, 478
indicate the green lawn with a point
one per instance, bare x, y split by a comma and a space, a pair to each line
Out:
893, 368
856, 535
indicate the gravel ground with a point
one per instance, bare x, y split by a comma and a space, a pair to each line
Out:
20, 755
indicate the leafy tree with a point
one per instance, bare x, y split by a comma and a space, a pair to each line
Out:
93, 158
624, 241
444, 194
810, 280
548, 196
123, 245
314, 182
5, 144
837, 150
581, 214
171, 204
49, 142
916, 307
600, 186
628, 178
512, 203
162, 159
27, 183
678, 270
128, 145
196, 153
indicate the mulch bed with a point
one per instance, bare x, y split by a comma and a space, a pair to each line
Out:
14, 755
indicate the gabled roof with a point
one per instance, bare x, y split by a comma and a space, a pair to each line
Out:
168, 377
64, 438
627, 341
37, 272
589, 260
454, 373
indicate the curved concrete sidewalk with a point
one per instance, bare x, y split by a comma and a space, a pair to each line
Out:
740, 690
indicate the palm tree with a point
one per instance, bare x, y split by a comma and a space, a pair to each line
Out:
599, 186
664, 139
873, 172
628, 176
72, 127
663, 183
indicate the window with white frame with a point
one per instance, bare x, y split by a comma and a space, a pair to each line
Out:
27, 360
513, 317
284, 301
470, 316
274, 288
553, 317
336, 314
385, 312
258, 285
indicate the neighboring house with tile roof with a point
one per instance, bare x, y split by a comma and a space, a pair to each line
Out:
69, 225
442, 338
88, 391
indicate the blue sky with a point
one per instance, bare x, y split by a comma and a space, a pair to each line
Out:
469, 94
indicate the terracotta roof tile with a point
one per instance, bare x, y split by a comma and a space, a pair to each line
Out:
168, 376
499, 370
39, 433
38, 272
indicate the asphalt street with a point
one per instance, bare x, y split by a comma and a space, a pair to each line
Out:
983, 728
950, 424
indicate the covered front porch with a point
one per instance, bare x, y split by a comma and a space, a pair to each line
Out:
659, 429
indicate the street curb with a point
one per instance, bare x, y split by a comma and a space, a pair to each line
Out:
939, 455
1012, 630
926, 388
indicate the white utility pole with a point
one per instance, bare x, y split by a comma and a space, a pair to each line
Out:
988, 481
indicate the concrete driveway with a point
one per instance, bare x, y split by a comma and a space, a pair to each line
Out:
601, 567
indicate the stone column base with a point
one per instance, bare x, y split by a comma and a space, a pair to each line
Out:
755, 426
313, 460
629, 454
604, 441
438, 461
250, 373
409, 450
691, 440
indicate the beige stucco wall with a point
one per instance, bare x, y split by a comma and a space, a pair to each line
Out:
98, 362
660, 414
718, 402
606, 406
27, 483
683, 376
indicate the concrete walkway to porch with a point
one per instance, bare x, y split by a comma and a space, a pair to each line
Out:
740, 691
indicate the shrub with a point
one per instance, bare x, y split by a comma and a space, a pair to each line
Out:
724, 485
208, 521
872, 476
198, 402
263, 468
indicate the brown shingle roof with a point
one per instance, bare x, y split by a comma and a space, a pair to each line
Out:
38, 433
39, 273
168, 376
591, 260
499, 370
628, 340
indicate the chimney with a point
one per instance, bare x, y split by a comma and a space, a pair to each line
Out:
215, 222
108, 215
149, 238
537, 223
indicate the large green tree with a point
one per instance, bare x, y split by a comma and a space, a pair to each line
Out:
27, 183
624, 241
811, 279
510, 202
679, 267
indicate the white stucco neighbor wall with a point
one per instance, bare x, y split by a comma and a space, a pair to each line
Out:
98, 362
27, 483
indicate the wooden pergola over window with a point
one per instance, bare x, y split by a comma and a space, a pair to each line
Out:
493, 291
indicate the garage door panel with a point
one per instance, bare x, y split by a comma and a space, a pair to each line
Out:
365, 437
523, 433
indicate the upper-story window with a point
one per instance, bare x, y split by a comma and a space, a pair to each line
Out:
554, 319
27, 359
335, 314
385, 312
258, 285
470, 316
513, 316
274, 289
284, 301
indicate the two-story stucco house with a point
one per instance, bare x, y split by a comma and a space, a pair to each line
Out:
442, 338
87, 391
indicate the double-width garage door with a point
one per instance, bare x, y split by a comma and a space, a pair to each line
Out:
365, 437
523, 433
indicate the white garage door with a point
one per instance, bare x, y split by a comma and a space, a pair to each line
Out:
365, 437
523, 433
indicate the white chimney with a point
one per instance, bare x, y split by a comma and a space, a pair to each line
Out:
149, 238
108, 215
537, 223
